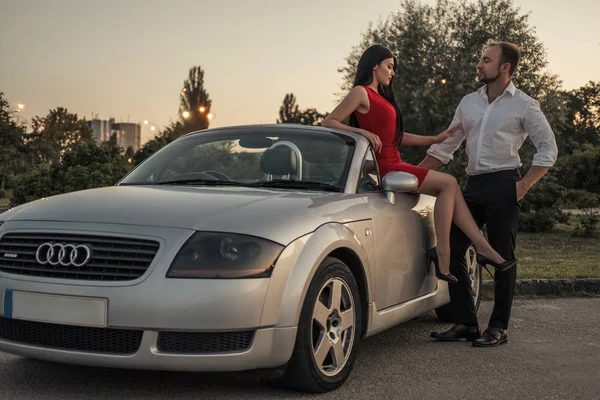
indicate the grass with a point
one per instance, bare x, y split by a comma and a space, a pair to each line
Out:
557, 255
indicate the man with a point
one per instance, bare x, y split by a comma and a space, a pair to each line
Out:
496, 120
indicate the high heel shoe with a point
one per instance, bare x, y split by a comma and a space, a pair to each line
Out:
448, 278
503, 266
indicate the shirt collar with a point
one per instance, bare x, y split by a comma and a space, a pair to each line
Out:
511, 88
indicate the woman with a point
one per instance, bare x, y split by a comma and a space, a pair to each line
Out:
374, 114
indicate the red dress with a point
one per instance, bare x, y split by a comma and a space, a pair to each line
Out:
381, 120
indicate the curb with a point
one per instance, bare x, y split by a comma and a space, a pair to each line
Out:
585, 287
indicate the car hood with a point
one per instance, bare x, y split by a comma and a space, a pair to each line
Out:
278, 215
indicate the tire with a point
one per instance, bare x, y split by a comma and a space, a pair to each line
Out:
444, 313
339, 335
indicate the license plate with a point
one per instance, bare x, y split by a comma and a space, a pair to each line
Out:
67, 310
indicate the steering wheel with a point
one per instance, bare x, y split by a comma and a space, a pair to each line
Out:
218, 175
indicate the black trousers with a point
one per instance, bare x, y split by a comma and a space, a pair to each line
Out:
492, 199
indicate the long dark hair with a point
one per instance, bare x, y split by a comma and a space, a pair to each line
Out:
364, 76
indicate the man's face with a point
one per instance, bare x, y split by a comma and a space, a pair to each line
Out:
489, 68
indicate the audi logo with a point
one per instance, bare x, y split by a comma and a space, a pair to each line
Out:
63, 254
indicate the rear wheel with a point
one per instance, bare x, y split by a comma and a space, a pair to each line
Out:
444, 313
328, 331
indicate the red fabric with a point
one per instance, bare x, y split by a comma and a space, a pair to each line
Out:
381, 120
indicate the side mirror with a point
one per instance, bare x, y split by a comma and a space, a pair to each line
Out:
398, 182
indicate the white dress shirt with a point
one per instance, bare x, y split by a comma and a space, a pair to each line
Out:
496, 131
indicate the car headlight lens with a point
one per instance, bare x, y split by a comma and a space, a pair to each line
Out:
212, 255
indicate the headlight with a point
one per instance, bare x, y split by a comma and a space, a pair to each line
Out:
225, 256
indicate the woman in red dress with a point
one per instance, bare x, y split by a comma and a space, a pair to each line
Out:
374, 114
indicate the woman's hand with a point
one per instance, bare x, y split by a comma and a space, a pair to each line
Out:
374, 139
447, 133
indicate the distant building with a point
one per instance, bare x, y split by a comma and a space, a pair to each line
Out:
130, 135
127, 134
102, 129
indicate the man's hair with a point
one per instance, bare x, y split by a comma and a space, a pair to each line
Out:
510, 53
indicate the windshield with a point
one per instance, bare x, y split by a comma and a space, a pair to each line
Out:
296, 159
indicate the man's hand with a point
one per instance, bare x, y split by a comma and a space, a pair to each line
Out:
447, 133
531, 177
521, 190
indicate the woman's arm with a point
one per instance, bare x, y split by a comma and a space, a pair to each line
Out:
357, 98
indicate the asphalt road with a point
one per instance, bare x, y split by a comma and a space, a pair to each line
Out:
553, 353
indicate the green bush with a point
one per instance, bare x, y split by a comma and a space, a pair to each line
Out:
87, 166
580, 170
588, 226
543, 220
588, 204
541, 207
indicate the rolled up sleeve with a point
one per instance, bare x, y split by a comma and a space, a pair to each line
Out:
444, 151
537, 127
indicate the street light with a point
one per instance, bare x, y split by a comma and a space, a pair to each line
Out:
152, 127
443, 81
185, 114
203, 109
20, 107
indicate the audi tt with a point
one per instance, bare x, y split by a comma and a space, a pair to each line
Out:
239, 248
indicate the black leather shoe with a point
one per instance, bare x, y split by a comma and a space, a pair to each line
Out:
449, 277
457, 332
491, 337
503, 266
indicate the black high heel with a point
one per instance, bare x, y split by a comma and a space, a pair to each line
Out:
503, 266
448, 278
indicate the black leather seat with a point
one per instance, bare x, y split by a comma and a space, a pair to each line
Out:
279, 161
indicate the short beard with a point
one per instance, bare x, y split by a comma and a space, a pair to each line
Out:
487, 81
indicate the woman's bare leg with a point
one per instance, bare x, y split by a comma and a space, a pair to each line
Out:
464, 220
443, 187
450, 206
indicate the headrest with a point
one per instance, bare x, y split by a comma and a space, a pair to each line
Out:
279, 160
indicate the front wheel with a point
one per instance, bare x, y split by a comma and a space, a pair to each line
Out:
444, 313
328, 331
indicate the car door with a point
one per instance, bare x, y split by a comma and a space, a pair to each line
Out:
402, 232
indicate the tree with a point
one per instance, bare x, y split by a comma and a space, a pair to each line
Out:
583, 118
11, 144
437, 49
580, 170
87, 165
194, 101
194, 109
56, 133
171, 132
290, 113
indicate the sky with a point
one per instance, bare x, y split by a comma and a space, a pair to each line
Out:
128, 59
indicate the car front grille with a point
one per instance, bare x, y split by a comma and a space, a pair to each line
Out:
67, 337
203, 342
112, 258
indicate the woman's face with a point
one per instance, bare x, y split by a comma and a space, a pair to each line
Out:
384, 71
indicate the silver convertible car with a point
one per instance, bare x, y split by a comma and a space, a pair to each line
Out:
240, 248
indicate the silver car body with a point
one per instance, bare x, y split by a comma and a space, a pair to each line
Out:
384, 242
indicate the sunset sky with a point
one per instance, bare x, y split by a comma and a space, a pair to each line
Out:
128, 59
